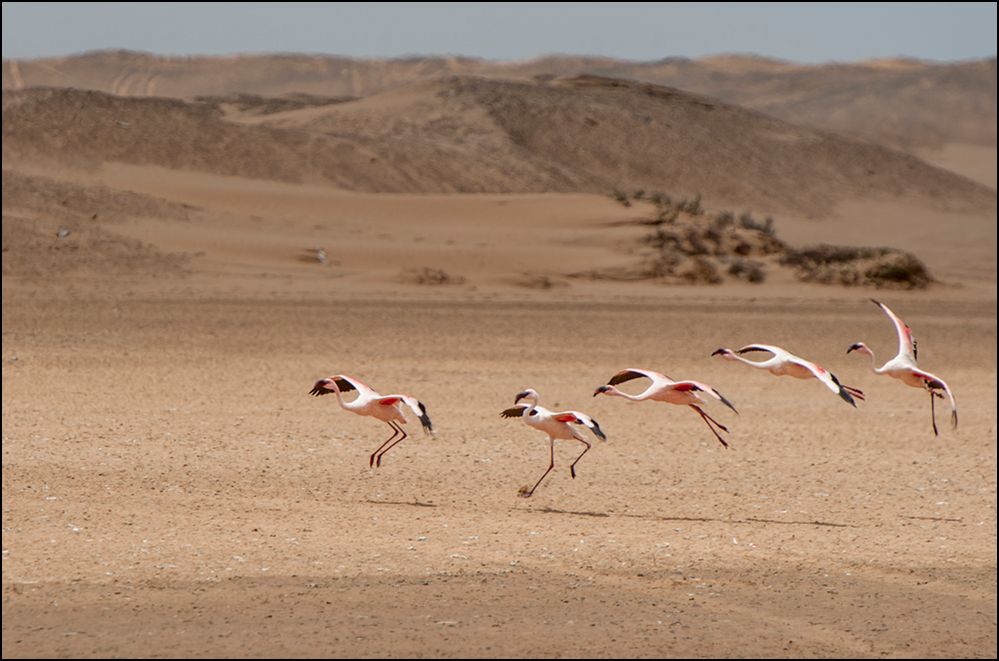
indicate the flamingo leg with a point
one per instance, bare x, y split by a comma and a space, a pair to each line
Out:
572, 467
708, 420
395, 431
378, 459
527, 493
859, 394
933, 413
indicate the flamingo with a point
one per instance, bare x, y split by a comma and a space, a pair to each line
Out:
785, 363
387, 408
665, 389
903, 367
556, 425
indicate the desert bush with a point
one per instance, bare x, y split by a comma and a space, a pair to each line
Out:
429, 276
823, 255
748, 270
685, 250
695, 242
661, 238
724, 220
539, 281
700, 270
621, 197
668, 216
692, 207
746, 221
850, 266
661, 200
903, 270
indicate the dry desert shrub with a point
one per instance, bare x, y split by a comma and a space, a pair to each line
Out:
539, 281
430, 276
685, 247
621, 197
700, 270
850, 266
749, 270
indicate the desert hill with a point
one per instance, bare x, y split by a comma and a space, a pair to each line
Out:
476, 135
902, 103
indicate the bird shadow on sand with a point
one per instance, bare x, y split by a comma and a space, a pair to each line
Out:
413, 503
653, 517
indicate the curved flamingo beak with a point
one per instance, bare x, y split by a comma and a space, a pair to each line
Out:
854, 347
719, 352
601, 389
520, 396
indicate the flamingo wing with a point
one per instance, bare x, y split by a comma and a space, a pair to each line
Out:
419, 409
321, 388
697, 386
414, 405
829, 379
632, 373
343, 383
906, 342
579, 418
514, 412
348, 383
769, 348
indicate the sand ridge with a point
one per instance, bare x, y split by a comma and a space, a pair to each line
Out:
902, 102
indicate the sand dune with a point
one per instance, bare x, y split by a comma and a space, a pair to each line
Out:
475, 135
902, 103
974, 162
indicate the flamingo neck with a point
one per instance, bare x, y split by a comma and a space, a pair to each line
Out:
339, 397
751, 363
874, 362
613, 391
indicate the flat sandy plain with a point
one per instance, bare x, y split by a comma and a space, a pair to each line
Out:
171, 489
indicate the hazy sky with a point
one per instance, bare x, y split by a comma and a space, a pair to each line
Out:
804, 32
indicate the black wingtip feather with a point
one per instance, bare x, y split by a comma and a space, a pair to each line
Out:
515, 412
724, 400
424, 417
846, 397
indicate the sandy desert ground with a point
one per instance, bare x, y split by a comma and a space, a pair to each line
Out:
170, 489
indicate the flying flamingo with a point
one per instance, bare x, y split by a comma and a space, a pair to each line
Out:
556, 425
387, 408
784, 363
903, 367
665, 389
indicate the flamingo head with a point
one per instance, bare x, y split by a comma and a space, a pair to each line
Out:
724, 353
601, 390
530, 393
859, 347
